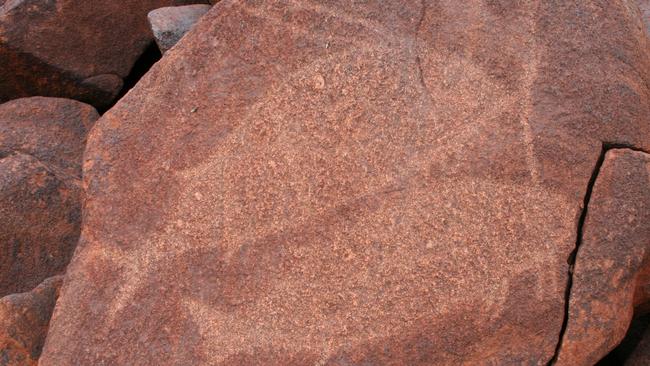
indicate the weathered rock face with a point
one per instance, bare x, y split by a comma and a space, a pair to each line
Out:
615, 250
52, 130
386, 183
169, 24
79, 49
40, 212
24, 320
644, 6
41, 147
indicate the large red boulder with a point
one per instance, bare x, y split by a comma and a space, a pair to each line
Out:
385, 182
80, 49
24, 320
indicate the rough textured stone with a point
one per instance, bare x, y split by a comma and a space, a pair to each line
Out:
51, 129
615, 249
24, 320
41, 146
79, 49
40, 213
379, 182
169, 24
644, 6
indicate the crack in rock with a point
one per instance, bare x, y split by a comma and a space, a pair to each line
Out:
571, 260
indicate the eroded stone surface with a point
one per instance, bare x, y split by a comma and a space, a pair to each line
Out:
40, 212
41, 146
52, 48
52, 130
615, 250
644, 6
169, 24
386, 182
24, 320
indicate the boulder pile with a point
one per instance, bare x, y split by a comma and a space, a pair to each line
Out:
325, 182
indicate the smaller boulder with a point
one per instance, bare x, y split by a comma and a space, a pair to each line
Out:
24, 320
169, 24
41, 216
53, 130
77, 49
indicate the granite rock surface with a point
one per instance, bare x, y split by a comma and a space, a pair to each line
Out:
52, 130
41, 217
24, 320
169, 24
347, 183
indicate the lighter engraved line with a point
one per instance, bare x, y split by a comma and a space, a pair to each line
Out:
531, 73
375, 27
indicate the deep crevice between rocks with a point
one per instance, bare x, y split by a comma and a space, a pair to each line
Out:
571, 260
147, 59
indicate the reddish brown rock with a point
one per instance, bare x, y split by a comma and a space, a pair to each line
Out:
615, 250
79, 49
644, 6
24, 320
386, 183
169, 24
41, 146
52, 130
40, 212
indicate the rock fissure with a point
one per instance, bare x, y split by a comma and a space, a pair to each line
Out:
147, 59
617, 145
571, 260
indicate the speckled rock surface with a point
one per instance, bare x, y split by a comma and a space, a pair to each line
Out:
386, 183
614, 252
40, 212
169, 24
24, 320
52, 130
79, 49
644, 6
